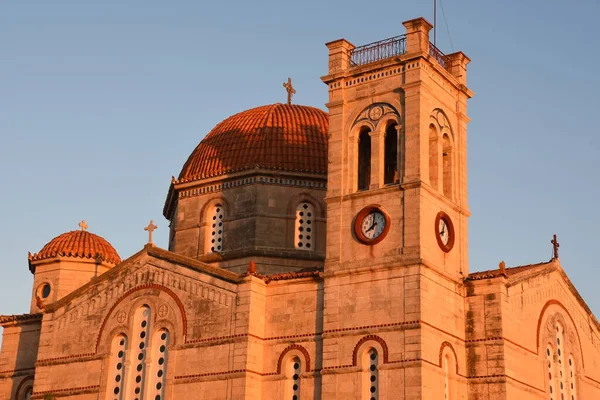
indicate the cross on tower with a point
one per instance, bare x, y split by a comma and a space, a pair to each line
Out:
83, 225
290, 90
150, 228
555, 246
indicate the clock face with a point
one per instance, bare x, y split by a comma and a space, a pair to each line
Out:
444, 231
371, 225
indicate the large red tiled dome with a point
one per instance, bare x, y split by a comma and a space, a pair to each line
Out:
278, 136
82, 244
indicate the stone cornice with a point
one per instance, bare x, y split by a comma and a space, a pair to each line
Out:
21, 319
198, 187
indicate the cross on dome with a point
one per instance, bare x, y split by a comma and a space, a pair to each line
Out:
83, 225
290, 89
150, 228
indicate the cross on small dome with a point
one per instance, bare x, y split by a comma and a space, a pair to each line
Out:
83, 225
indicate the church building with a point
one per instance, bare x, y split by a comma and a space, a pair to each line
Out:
312, 255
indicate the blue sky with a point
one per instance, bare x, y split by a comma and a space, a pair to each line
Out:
102, 102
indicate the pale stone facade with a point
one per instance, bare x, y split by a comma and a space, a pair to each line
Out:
274, 287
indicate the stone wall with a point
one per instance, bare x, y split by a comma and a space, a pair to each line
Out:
17, 359
259, 222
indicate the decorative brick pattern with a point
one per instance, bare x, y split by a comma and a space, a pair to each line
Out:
374, 338
290, 348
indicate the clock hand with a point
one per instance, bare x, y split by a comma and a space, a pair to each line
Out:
372, 226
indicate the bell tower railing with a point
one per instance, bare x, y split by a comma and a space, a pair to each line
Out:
378, 51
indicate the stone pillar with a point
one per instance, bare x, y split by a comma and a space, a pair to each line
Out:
377, 155
339, 55
458, 66
417, 35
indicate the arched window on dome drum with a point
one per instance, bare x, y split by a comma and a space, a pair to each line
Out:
158, 369
391, 155
116, 374
215, 229
293, 371
370, 380
364, 159
28, 393
304, 226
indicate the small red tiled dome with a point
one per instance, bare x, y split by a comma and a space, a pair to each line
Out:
278, 136
82, 244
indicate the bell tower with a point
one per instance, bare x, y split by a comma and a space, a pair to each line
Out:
397, 216
397, 178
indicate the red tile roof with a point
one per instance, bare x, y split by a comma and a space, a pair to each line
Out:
277, 136
82, 244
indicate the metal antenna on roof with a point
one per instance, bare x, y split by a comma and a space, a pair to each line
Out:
434, 22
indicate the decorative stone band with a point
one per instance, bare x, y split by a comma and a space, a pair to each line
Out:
68, 359
369, 77
267, 180
287, 275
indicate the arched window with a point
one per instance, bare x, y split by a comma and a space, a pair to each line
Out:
116, 374
391, 155
364, 159
293, 370
560, 356
550, 363
137, 372
214, 224
562, 374
446, 367
434, 157
28, 393
447, 165
138, 365
572, 385
158, 373
304, 226
371, 375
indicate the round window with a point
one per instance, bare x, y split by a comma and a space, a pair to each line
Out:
44, 290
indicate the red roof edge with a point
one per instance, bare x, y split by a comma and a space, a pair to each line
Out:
508, 272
